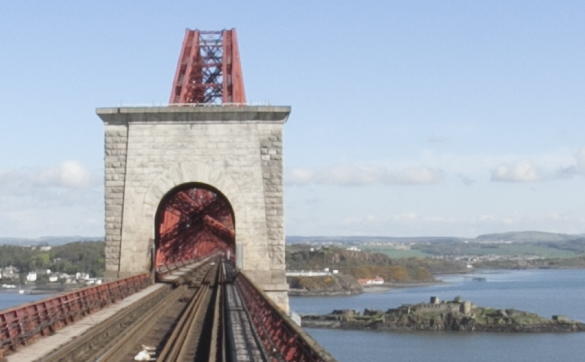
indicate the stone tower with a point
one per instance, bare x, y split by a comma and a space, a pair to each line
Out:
235, 149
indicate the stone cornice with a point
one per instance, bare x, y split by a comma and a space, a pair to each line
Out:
195, 114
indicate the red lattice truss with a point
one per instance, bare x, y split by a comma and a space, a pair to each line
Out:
194, 223
209, 69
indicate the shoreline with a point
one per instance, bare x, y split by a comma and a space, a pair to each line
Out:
390, 286
39, 290
382, 288
305, 293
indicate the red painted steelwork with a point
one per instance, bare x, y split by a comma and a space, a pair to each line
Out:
25, 323
192, 223
209, 69
162, 270
281, 338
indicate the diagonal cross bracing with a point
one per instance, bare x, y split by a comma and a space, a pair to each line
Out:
209, 69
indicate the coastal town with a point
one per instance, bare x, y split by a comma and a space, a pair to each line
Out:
12, 278
47, 268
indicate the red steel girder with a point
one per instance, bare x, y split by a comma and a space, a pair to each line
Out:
193, 222
209, 69
219, 229
281, 337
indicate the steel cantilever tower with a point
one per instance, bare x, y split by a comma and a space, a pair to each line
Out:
209, 69
200, 176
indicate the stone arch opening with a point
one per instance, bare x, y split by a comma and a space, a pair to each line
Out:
193, 220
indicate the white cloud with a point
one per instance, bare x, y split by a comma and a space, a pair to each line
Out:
69, 174
517, 172
414, 176
353, 175
468, 169
60, 200
541, 169
301, 176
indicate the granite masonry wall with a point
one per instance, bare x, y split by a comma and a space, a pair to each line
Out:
116, 141
237, 150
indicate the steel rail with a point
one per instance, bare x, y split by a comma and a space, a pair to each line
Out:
120, 337
215, 351
185, 341
120, 347
89, 346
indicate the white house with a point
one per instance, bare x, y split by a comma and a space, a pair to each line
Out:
31, 277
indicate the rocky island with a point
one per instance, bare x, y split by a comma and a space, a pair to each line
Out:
437, 315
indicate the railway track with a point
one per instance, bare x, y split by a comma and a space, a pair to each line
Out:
201, 319
195, 335
208, 313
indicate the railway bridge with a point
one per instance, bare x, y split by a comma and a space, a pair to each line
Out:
194, 232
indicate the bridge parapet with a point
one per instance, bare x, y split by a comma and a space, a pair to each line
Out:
279, 334
23, 324
246, 321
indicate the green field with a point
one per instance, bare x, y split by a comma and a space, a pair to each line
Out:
526, 250
396, 253
482, 249
478, 249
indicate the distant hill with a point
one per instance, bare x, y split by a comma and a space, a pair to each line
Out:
47, 240
368, 239
512, 236
527, 237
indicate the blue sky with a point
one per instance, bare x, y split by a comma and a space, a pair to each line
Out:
409, 118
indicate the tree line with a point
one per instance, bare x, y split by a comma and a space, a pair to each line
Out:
71, 258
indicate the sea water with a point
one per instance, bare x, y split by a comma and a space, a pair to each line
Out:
11, 298
545, 292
